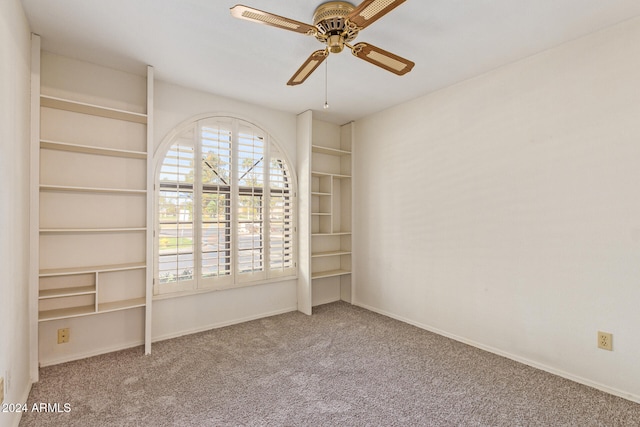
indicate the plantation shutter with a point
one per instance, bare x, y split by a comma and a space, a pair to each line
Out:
225, 208
175, 244
250, 163
281, 217
216, 201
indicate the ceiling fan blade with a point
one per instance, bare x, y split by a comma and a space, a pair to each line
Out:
382, 58
308, 67
370, 11
261, 17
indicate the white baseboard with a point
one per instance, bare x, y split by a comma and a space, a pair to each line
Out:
514, 357
124, 346
324, 301
221, 324
97, 352
17, 416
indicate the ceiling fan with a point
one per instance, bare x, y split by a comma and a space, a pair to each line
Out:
335, 24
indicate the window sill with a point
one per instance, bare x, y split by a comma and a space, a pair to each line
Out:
180, 294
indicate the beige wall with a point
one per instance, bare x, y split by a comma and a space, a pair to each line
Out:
504, 211
15, 54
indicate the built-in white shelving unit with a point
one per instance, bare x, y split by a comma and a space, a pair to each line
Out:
94, 162
325, 168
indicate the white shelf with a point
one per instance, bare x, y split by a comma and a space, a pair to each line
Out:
331, 151
121, 305
333, 175
91, 230
330, 273
66, 292
64, 313
73, 189
330, 254
92, 269
337, 233
91, 109
88, 149
321, 213
87, 310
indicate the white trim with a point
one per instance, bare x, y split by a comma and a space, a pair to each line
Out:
224, 324
85, 355
150, 218
34, 208
514, 357
132, 344
205, 290
326, 300
304, 122
23, 401
354, 256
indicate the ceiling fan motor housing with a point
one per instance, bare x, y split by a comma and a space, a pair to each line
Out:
329, 19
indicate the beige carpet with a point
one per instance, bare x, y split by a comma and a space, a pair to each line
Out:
343, 366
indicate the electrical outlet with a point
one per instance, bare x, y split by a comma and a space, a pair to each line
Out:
63, 335
1, 391
605, 341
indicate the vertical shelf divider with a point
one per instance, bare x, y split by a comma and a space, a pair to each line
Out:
304, 123
96, 281
34, 212
150, 219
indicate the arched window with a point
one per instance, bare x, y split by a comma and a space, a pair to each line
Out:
225, 208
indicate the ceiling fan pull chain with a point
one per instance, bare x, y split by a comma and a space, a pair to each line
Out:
326, 83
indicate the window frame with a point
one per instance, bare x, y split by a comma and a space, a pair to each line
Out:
272, 152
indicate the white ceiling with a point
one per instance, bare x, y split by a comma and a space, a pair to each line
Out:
196, 43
